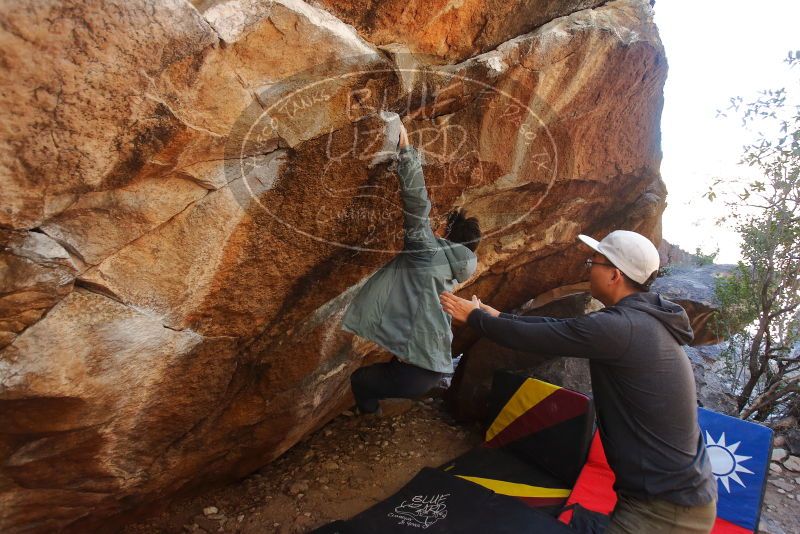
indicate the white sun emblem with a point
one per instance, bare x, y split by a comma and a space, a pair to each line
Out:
725, 463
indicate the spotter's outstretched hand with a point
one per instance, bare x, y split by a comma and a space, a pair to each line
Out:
457, 307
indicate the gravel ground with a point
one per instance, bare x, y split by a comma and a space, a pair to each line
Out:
354, 462
342, 469
779, 512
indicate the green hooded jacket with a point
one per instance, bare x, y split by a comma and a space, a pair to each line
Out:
398, 307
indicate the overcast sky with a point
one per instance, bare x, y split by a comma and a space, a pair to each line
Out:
715, 50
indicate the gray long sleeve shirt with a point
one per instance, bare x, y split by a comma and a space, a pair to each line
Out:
643, 386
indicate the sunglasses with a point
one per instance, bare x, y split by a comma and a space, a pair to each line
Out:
588, 263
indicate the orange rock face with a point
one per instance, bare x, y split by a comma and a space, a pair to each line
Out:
451, 30
191, 199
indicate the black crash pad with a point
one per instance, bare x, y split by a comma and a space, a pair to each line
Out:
439, 503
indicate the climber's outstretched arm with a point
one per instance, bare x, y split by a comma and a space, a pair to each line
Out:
419, 240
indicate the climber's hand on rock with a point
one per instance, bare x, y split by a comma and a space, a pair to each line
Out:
394, 135
394, 132
403, 136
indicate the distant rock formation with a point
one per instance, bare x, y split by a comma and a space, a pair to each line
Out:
711, 391
675, 256
694, 289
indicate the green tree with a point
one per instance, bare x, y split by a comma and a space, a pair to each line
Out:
760, 303
701, 258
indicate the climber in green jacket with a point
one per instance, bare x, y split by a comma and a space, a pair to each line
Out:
398, 307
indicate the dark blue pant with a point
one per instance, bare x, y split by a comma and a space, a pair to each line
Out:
394, 379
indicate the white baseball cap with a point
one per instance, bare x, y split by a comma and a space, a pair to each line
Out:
631, 253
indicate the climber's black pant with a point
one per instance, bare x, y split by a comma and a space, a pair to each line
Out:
394, 379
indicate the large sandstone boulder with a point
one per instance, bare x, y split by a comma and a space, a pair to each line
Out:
191, 199
37, 273
449, 30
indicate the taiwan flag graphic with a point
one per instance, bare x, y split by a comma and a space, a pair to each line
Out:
739, 452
